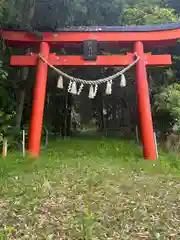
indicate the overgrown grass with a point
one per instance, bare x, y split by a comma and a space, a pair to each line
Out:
90, 189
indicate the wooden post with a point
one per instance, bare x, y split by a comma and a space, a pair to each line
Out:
147, 133
24, 143
38, 103
4, 148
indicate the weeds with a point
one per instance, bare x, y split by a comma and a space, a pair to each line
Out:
90, 190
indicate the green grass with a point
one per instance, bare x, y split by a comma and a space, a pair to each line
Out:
90, 189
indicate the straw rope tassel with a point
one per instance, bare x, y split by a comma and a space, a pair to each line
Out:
91, 92
60, 82
123, 81
74, 88
70, 86
80, 89
95, 90
109, 88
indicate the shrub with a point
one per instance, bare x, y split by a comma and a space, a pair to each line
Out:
167, 108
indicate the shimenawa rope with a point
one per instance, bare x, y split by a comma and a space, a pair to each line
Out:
72, 88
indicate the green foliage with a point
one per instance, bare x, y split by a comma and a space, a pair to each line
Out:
161, 16
3, 74
167, 102
3, 90
6, 118
102, 12
91, 12
7, 102
3, 8
5, 124
64, 13
143, 3
149, 15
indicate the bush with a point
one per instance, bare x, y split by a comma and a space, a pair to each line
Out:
167, 108
6, 129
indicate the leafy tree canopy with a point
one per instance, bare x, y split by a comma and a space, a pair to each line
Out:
56, 13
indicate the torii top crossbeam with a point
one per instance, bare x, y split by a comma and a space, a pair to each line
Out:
136, 36
155, 33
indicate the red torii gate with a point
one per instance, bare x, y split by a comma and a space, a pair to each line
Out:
138, 38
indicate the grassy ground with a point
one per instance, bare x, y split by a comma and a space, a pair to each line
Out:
90, 189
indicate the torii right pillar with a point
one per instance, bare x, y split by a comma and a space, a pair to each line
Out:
146, 124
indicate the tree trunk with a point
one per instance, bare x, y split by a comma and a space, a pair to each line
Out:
68, 115
27, 16
21, 95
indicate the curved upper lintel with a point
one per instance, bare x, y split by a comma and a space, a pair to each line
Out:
139, 28
150, 33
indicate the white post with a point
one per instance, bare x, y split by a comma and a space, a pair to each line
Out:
47, 138
137, 135
5, 146
24, 143
155, 139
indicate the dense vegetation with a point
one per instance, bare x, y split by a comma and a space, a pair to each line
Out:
16, 84
89, 187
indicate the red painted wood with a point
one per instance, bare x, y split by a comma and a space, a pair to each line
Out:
115, 60
67, 37
38, 103
147, 133
78, 45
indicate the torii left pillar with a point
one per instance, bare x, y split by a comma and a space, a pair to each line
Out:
38, 103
